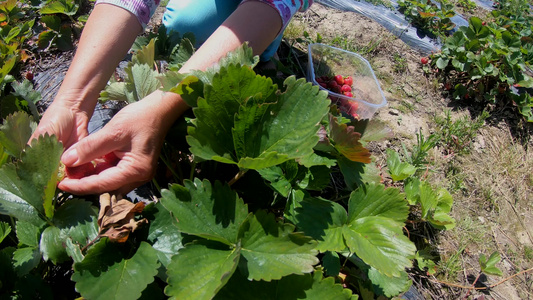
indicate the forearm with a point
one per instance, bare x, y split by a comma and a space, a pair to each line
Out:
254, 22
106, 38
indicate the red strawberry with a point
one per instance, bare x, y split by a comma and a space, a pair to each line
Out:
102, 166
111, 158
348, 80
80, 171
346, 88
447, 86
348, 94
29, 75
333, 86
339, 79
424, 60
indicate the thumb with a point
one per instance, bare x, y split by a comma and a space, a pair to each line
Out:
89, 148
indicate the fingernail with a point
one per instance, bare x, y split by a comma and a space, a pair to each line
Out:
70, 157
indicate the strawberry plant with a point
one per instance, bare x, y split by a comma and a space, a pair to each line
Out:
482, 62
257, 216
434, 18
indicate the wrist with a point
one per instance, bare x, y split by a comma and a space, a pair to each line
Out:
168, 107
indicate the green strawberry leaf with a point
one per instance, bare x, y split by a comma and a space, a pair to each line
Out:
242, 56
15, 133
25, 260
425, 262
28, 234
332, 263
376, 200
324, 288
183, 53
27, 189
212, 212
75, 222
200, 270
189, 87
324, 221
389, 286
398, 170
77, 219
356, 174
26, 91
144, 56
436, 206
380, 243
489, 265
243, 121
288, 128
5, 229
51, 245
163, 234
271, 250
212, 136
104, 274
144, 80
68, 8
307, 286
117, 91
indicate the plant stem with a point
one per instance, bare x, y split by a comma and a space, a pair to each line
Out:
237, 177
193, 167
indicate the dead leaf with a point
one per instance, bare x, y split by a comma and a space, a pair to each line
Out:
347, 142
116, 218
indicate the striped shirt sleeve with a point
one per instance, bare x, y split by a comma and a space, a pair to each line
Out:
144, 9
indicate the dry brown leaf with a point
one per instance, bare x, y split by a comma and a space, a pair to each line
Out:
346, 140
116, 218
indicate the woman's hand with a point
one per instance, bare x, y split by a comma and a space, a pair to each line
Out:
67, 123
135, 135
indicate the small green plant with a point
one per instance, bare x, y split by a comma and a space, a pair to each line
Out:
457, 135
418, 154
350, 45
399, 63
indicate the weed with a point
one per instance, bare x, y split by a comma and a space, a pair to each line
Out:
528, 253
349, 44
456, 178
457, 135
418, 155
400, 63
405, 106
451, 266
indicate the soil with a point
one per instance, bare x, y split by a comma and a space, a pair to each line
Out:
491, 185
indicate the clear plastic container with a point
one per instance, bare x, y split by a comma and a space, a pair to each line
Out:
327, 61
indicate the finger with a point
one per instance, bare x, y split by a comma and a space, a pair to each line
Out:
122, 178
91, 147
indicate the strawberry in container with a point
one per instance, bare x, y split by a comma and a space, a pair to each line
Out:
348, 78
